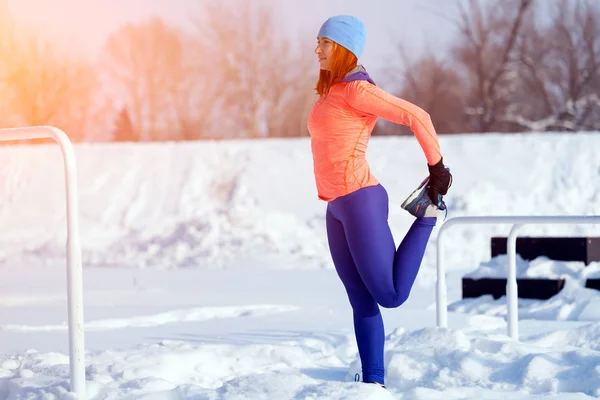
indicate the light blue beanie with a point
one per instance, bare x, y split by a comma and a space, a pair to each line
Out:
347, 31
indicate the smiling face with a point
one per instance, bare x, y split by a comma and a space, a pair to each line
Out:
324, 50
335, 61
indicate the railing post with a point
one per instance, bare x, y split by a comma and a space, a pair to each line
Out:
512, 293
74, 267
441, 290
512, 296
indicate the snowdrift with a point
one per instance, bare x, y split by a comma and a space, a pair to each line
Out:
208, 204
208, 275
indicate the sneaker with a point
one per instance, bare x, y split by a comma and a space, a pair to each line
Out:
420, 205
357, 379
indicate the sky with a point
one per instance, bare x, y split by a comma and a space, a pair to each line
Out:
83, 25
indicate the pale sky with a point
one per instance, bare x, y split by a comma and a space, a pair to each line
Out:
83, 25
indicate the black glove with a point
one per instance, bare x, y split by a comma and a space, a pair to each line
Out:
440, 180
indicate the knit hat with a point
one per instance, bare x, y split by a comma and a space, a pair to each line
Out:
347, 31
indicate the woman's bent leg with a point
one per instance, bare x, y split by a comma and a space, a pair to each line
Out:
409, 256
387, 272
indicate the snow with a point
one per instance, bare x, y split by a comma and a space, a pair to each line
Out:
207, 274
541, 267
574, 302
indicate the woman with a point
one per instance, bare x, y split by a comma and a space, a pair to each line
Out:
370, 267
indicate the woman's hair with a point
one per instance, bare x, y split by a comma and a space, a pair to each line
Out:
341, 62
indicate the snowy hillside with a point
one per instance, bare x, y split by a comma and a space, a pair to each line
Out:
207, 274
202, 204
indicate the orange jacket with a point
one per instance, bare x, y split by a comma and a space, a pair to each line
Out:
340, 125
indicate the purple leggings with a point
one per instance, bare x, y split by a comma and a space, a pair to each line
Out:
372, 270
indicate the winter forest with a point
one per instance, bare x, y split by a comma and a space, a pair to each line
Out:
509, 68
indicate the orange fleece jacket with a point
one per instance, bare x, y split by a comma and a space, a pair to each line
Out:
340, 126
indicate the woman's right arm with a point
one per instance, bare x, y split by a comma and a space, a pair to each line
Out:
370, 99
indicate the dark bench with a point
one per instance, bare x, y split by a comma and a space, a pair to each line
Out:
582, 249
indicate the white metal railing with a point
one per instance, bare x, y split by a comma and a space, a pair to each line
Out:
74, 268
511, 281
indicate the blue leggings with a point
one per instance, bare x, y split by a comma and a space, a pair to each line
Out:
372, 270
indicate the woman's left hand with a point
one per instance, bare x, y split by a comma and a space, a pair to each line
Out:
440, 180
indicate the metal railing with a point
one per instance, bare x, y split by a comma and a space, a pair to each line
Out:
74, 268
517, 223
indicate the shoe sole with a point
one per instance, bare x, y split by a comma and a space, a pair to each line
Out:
415, 195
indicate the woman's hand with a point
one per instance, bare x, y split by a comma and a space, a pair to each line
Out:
440, 181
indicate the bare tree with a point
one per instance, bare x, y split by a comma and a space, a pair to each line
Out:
488, 39
7, 48
560, 72
514, 70
432, 84
160, 79
46, 87
469, 90
268, 81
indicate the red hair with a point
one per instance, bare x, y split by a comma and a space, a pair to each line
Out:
341, 62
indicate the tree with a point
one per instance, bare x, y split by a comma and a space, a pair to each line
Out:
45, 87
268, 82
432, 84
158, 75
124, 130
469, 89
485, 51
559, 77
6, 48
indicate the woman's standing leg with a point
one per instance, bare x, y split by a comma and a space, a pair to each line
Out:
368, 324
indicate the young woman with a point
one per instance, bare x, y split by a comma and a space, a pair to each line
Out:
373, 271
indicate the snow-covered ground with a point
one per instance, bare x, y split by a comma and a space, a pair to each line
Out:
207, 275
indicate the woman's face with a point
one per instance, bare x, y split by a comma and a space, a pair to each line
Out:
323, 51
